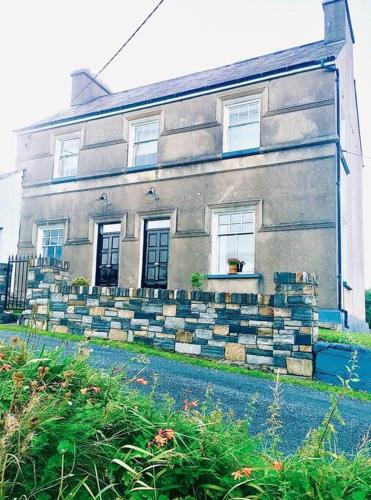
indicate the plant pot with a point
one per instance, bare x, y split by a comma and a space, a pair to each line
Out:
232, 268
240, 267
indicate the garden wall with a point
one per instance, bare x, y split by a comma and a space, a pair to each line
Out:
274, 332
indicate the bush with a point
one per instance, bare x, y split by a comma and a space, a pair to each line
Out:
68, 431
80, 282
197, 280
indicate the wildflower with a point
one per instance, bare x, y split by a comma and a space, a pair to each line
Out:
141, 381
2, 355
162, 437
86, 390
68, 395
15, 340
68, 374
277, 466
42, 370
5, 367
245, 471
190, 404
18, 378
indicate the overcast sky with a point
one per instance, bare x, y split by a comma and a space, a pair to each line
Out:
43, 41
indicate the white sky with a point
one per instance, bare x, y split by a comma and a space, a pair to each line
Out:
43, 41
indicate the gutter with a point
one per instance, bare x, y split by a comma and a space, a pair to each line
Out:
300, 68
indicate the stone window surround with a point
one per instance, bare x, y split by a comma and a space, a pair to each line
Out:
58, 135
39, 225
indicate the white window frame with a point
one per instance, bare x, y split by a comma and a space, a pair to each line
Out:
40, 235
215, 235
57, 156
131, 147
233, 102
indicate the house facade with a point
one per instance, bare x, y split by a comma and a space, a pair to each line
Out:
144, 187
10, 213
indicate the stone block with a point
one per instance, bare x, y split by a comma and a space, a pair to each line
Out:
280, 312
139, 322
247, 339
234, 307
266, 310
250, 310
197, 307
183, 336
305, 348
97, 311
116, 325
177, 323
252, 359
284, 338
115, 334
212, 351
187, 348
126, 313
169, 310
60, 329
221, 329
301, 367
42, 309
235, 352
87, 319
217, 343
99, 335
203, 334
265, 332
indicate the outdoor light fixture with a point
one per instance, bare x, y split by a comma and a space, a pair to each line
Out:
104, 197
152, 192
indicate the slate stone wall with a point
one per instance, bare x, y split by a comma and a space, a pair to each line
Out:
274, 332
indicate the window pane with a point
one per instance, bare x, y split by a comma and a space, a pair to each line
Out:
253, 111
236, 217
224, 219
247, 217
70, 147
244, 137
235, 228
245, 251
224, 229
145, 153
226, 250
58, 252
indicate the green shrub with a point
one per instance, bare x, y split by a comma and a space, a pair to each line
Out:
197, 280
68, 431
80, 282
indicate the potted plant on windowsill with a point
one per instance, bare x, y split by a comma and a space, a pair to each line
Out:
235, 265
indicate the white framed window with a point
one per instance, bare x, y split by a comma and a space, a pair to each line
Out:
50, 241
143, 142
233, 235
241, 124
66, 156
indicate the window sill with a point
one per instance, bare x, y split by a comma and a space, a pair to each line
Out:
241, 152
141, 168
233, 276
58, 180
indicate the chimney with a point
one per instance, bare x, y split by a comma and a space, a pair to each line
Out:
85, 87
338, 25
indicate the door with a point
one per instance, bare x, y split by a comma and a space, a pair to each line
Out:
156, 253
108, 255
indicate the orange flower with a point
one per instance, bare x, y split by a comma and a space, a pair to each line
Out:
245, 471
190, 404
141, 381
18, 378
5, 367
162, 438
43, 370
85, 390
277, 466
68, 374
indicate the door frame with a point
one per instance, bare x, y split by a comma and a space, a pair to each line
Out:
143, 220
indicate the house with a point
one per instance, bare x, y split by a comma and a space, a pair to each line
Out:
143, 187
10, 213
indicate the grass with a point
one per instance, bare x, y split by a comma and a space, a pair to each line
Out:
206, 363
359, 339
69, 431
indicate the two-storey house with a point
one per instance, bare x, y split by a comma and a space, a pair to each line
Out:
143, 187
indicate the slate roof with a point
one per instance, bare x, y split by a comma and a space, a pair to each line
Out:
233, 73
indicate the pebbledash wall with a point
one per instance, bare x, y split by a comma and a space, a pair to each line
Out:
274, 332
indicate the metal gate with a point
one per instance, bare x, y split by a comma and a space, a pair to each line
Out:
16, 282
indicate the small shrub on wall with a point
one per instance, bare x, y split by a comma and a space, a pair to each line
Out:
80, 282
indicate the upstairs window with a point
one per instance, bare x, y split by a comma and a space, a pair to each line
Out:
233, 236
241, 125
66, 157
143, 143
52, 239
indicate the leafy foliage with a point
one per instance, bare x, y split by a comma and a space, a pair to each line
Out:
197, 280
80, 282
368, 306
360, 339
68, 431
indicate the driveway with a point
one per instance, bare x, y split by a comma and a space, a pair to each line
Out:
302, 408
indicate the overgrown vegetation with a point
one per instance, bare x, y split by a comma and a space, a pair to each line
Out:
368, 306
68, 431
80, 281
197, 280
360, 339
192, 360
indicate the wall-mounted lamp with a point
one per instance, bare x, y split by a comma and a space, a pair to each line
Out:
152, 192
104, 197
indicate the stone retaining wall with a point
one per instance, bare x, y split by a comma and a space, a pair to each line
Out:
274, 332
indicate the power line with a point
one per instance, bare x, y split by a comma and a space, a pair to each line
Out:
356, 154
120, 49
